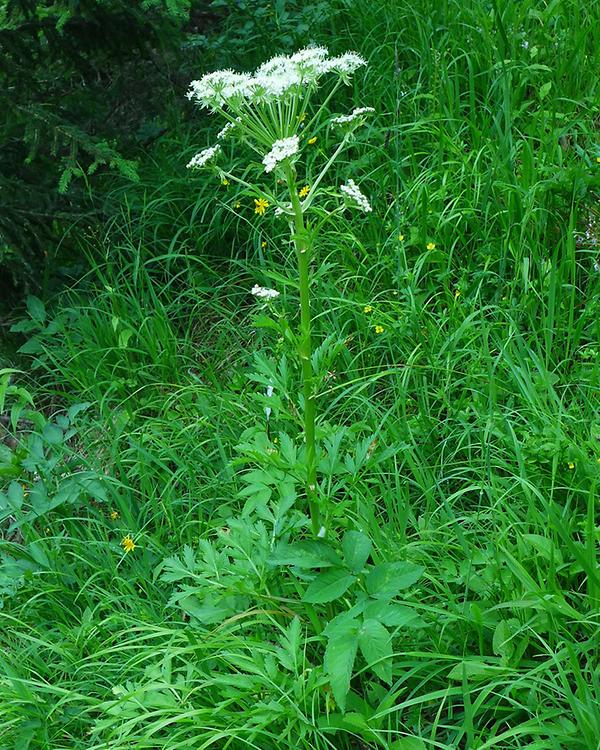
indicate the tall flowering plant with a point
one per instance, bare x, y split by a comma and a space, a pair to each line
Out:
269, 110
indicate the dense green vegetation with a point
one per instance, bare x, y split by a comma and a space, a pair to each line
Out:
159, 580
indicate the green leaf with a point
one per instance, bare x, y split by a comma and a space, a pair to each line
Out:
376, 646
340, 653
392, 614
309, 554
33, 346
474, 670
357, 548
124, 337
408, 743
36, 309
544, 90
388, 579
15, 496
329, 585
52, 434
77, 408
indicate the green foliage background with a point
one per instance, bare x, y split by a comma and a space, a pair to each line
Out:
457, 602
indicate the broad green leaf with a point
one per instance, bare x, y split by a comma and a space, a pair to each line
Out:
408, 743
309, 554
376, 646
35, 307
52, 434
340, 653
329, 585
474, 670
544, 547
503, 641
124, 337
392, 614
388, 579
15, 496
77, 409
357, 548
33, 346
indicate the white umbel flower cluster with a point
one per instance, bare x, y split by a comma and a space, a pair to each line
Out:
358, 112
282, 75
281, 149
201, 159
263, 293
353, 191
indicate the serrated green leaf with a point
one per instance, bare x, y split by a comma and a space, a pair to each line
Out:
329, 585
357, 548
392, 614
340, 653
309, 554
388, 579
376, 647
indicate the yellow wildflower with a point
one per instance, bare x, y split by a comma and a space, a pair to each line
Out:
260, 205
312, 141
431, 245
401, 238
225, 181
128, 544
237, 204
114, 515
571, 465
457, 293
598, 159
379, 329
304, 191
367, 309
263, 244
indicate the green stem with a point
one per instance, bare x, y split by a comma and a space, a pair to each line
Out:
303, 248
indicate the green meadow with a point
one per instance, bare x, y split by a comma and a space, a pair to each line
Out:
177, 568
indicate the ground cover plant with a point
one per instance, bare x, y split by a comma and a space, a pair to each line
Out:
169, 575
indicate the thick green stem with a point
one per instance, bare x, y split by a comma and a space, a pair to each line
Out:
303, 253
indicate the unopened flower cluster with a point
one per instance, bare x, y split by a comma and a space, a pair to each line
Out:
356, 113
280, 76
353, 192
282, 149
263, 293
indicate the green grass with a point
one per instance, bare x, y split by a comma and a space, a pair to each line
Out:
464, 438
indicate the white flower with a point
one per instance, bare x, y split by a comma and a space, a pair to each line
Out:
345, 64
353, 191
281, 149
274, 79
227, 129
343, 119
198, 161
219, 88
263, 293
268, 408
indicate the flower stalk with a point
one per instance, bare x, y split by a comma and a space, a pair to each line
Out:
303, 255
